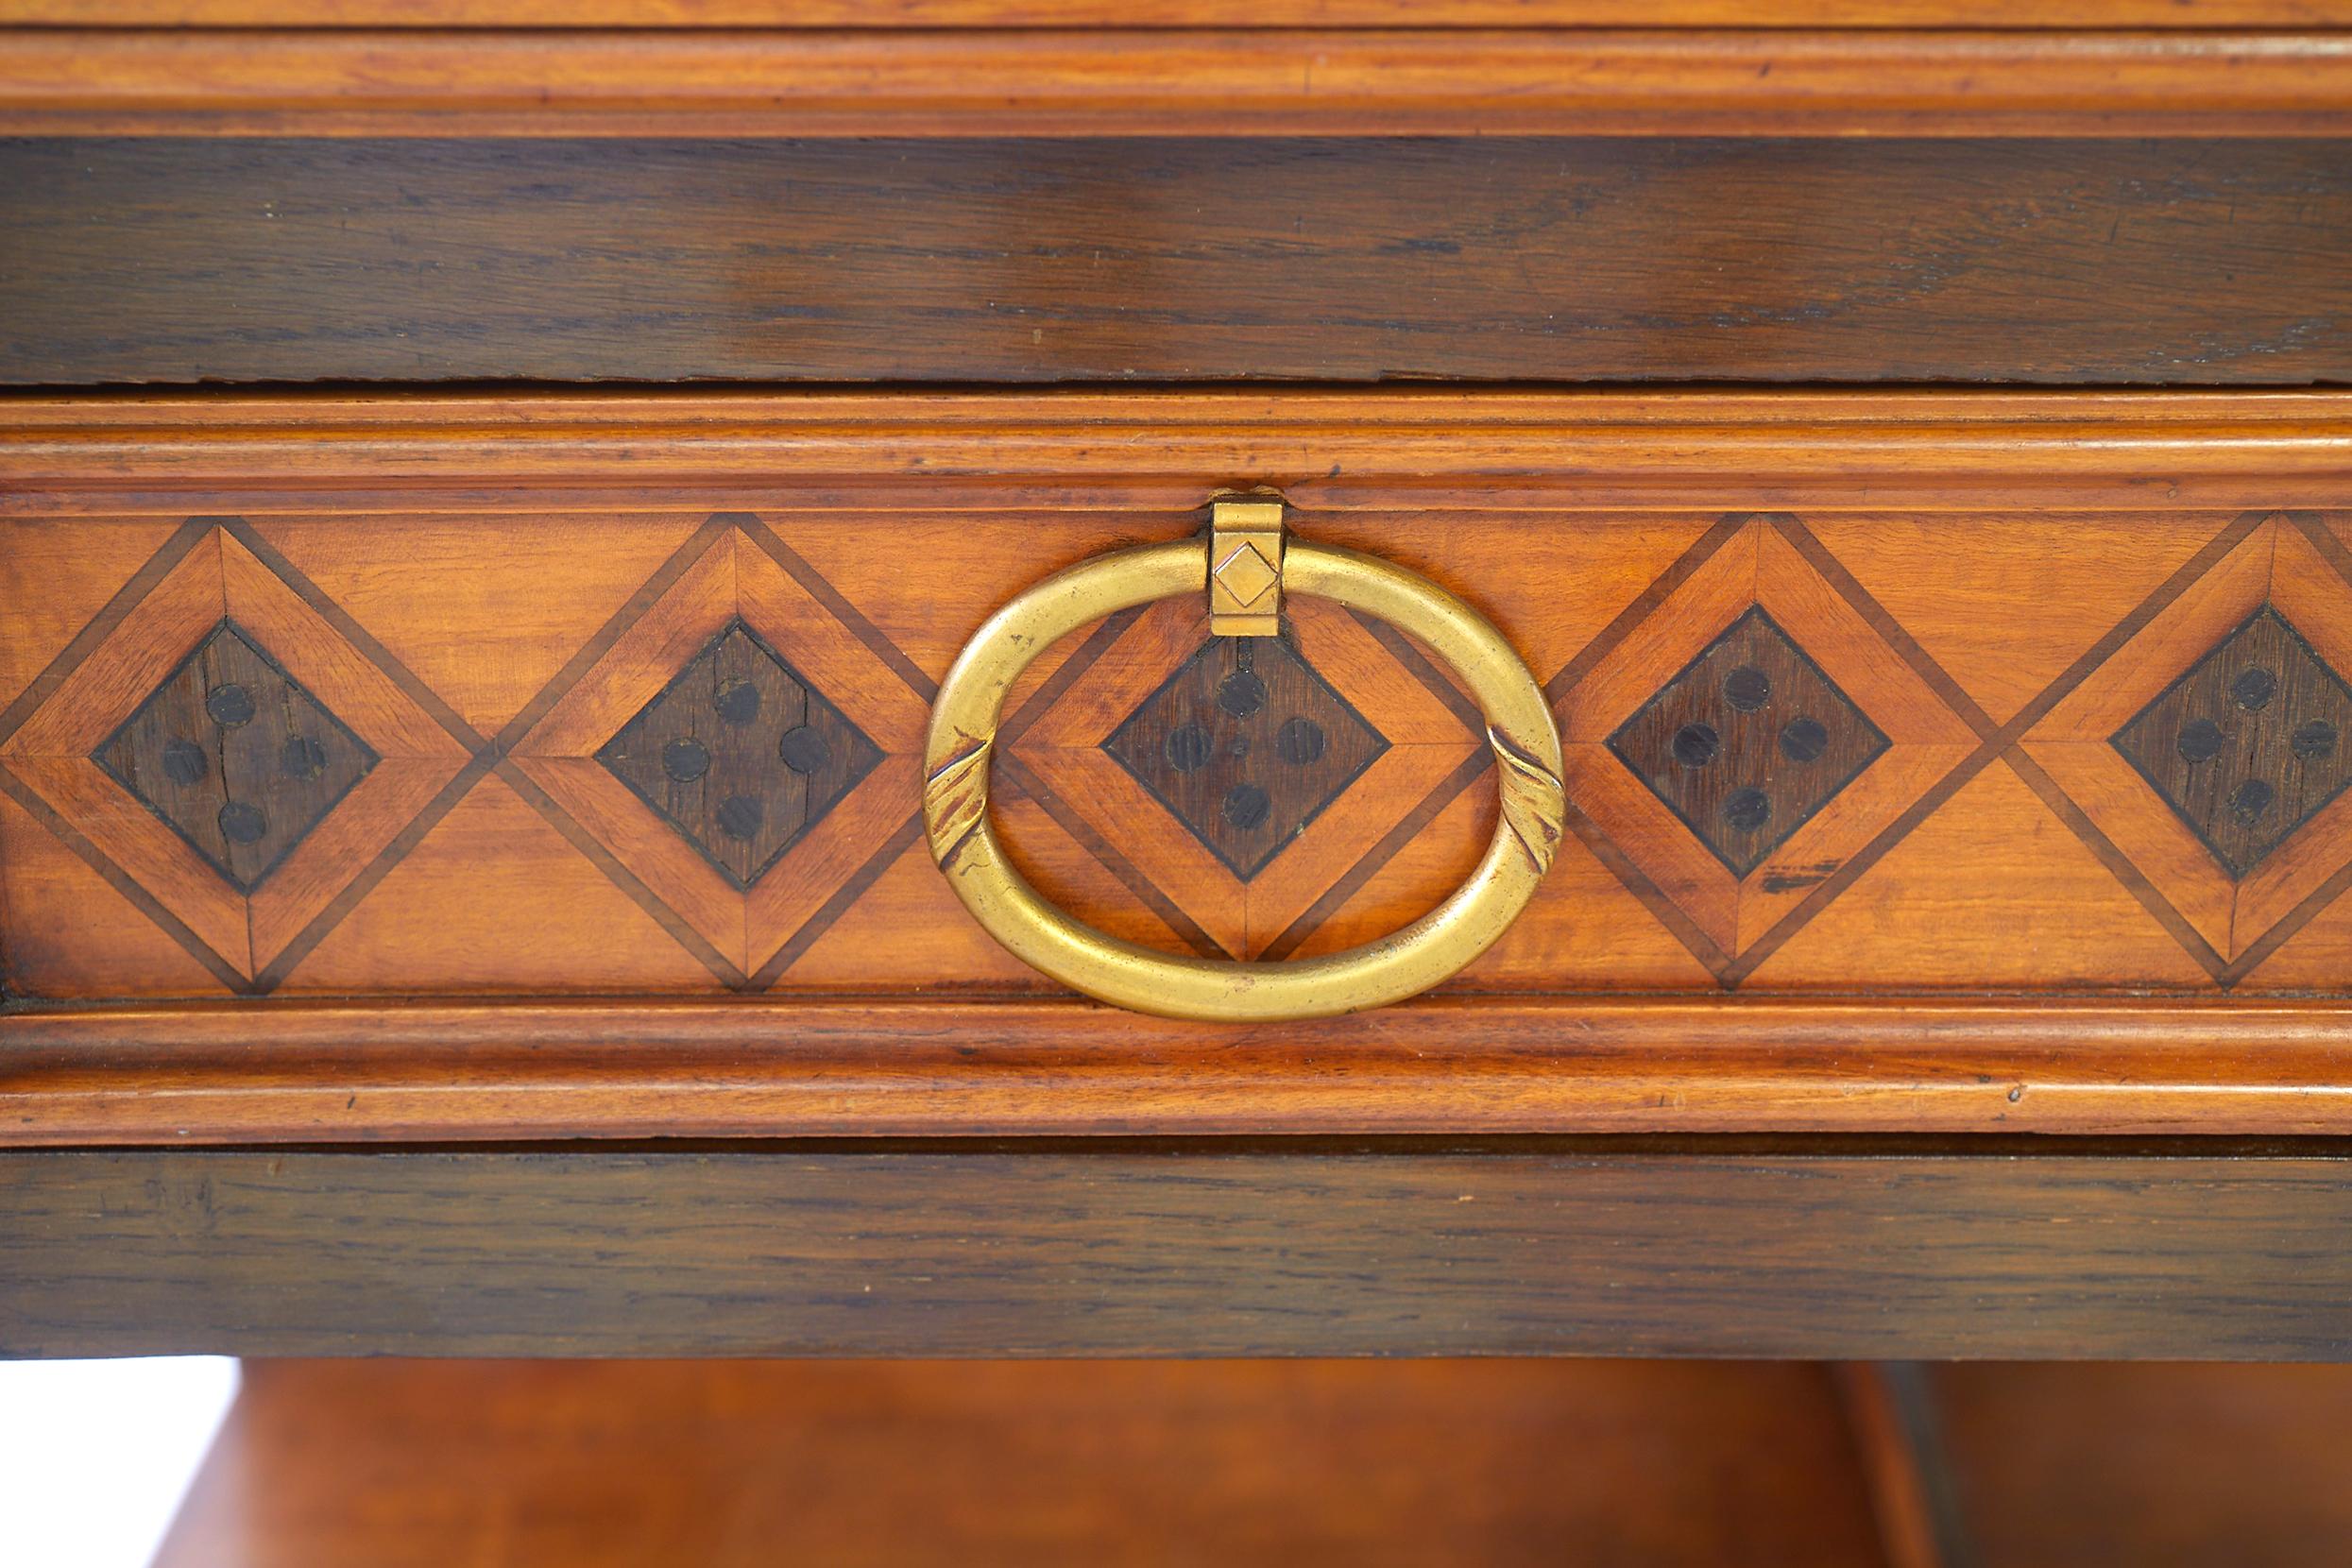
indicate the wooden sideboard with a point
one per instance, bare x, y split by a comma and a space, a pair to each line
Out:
487, 512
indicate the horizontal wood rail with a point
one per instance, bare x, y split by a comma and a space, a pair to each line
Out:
293, 1071
1179, 13
1131, 1248
881, 82
1932, 451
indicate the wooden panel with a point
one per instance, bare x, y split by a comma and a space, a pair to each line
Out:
1496, 257
1125, 1249
598, 1465
879, 82
2063, 861
1992, 838
1183, 13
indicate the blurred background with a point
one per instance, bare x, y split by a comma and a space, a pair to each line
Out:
529, 1464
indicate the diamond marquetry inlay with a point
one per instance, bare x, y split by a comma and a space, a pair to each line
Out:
739, 755
236, 756
1748, 743
2250, 743
1246, 744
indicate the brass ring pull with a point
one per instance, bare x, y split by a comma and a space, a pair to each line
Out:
971, 703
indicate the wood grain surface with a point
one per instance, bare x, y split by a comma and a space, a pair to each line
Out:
727, 1464
1497, 258
1076, 82
1993, 454
1188, 13
374, 1072
1998, 921
1985, 831
1125, 1249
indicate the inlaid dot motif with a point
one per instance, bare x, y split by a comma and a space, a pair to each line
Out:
2201, 741
739, 755
1245, 745
302, 756
1804, 739
230, 706
1189, 747
1246, 806
1747, 688
1696, 746
1748, 741
2245, 746
739, 816
236, 756
1299, 741
1241, 693
804, 749
184, 762
242, 824
1746, 810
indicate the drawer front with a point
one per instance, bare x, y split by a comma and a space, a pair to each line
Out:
2037, 698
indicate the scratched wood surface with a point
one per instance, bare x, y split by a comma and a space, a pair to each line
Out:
2158, 262
1224, 1247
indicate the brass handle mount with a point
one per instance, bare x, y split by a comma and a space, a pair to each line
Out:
1248, 566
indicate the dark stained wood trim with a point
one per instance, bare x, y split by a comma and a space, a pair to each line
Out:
1493, 259
1241, 82
1133, 1249
296, 1071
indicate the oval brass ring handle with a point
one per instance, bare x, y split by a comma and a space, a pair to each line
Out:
971, 703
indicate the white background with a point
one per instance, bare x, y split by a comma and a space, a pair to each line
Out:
95, 1455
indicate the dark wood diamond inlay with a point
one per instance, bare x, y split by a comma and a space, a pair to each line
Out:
1748, 741
236, 756
2250, 743
740, 755
1246, 744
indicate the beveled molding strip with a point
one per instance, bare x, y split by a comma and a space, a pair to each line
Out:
1173, 82
2042, 14
1934, 450
300, 1072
